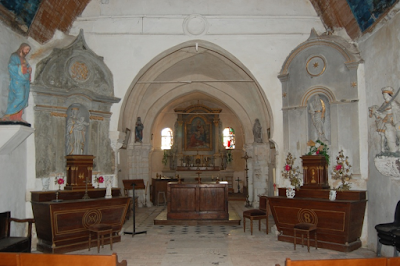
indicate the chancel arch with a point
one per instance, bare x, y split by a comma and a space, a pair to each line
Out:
196, 73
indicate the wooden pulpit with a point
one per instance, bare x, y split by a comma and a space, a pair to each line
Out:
79, 171
315, 172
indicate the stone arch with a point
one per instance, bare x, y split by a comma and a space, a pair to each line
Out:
135, 102
317, 90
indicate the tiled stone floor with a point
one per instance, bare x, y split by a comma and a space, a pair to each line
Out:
208, 245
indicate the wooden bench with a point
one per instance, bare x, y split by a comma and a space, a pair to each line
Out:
345, 262
32, 259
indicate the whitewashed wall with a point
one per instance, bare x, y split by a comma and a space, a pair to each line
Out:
380, 50
260, 34
14, 168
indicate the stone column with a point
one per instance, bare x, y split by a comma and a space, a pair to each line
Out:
260, 170
139, 169
117, 139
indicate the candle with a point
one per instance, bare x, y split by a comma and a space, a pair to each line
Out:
273, 176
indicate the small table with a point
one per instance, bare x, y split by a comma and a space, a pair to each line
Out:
101, 230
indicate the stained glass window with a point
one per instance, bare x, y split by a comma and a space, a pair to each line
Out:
229, 138
166, 139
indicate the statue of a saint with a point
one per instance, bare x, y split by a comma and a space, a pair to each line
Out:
257, 131
20, 75
387, 119
108, 187
317, 112
139, 130
76, 133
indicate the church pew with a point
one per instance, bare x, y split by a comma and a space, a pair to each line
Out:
34, 259
339, 262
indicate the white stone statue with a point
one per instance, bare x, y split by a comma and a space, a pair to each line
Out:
387, 119
317, 111
108, 187
45, 183
76, 134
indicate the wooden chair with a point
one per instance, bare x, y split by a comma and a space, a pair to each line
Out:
101, 230
257, 214
11, 243
305, 229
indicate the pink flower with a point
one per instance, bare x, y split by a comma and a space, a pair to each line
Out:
317, 152
338, 167
100, 179
60, 181
287, 167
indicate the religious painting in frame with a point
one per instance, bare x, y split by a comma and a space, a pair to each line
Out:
198, 134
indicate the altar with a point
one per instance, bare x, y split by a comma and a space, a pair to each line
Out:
339, 222
63, 226
191, 203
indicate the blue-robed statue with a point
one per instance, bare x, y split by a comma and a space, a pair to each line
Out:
20, 76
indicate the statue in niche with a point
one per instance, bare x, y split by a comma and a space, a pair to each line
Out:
139, 130
387, 119
317, 110
76, 132
20, 76
257, 131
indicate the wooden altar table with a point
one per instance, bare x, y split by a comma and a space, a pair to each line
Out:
339, 223
63, 226
196, 201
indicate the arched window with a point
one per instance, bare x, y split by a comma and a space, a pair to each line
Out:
229, 138
166, 139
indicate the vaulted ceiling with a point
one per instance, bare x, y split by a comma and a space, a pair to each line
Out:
39, 19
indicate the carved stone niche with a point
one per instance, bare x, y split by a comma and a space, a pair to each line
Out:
72, 76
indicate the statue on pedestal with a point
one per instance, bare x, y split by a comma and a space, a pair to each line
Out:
139, 130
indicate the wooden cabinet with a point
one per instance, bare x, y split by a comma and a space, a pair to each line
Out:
79, 171
197, 201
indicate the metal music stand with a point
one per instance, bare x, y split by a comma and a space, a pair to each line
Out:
135, 182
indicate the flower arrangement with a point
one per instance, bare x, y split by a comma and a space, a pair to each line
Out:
290, 172
99, 180
342, 171
59, 180
318, 148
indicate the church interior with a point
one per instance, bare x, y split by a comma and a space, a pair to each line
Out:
283, 112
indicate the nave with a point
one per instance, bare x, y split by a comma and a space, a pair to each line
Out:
209, 245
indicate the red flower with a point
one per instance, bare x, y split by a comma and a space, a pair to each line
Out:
338, 167
100, 179
317, 152
287, 167
60, 181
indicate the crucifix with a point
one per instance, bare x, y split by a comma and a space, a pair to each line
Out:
238, 180
246, 157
